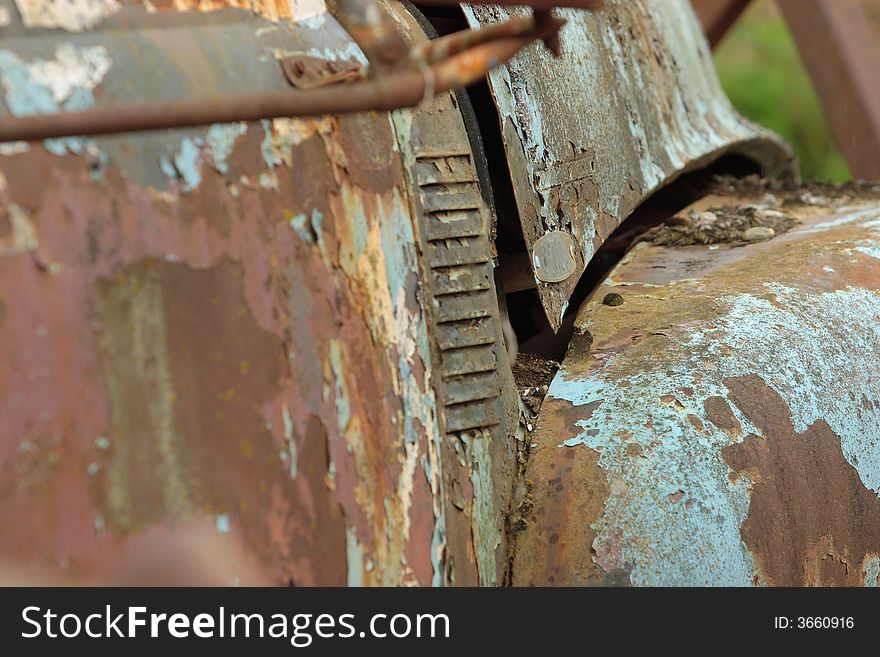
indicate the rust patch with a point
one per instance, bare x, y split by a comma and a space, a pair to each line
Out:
368, 146
569, 491
718, 413
188, 369
811, 519
5, 226
696, 423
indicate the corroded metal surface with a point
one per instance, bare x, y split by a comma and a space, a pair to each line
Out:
228, 323
395, 78
472, 375
718, 422
632, 102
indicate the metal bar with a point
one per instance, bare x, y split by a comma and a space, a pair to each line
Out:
443, 47
403, 88
542, 25
843, 58
374, 32
536, 4
718, 16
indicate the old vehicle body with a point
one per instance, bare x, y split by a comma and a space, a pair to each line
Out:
289, 332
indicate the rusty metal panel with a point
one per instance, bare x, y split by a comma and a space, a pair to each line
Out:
223, 328
839, 41
717, 419
632, 102
473, 381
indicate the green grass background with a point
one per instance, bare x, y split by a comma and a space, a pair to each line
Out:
762, 73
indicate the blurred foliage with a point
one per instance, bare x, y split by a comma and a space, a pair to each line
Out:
762, 73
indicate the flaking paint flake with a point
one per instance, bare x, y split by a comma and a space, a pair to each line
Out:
655, 401
271, 9
65, 83
70, 15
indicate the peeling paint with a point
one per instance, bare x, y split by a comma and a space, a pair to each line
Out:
676, 442
222, 522
14, 148
282, 135
52, 86
271, 9
221, 140
70, 15
871, 574
584, 172
256, 353
486, 515
22, 235
355, 556
703, 537
291, 441
186, 164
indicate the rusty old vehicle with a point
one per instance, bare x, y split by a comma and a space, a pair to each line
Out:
266, 265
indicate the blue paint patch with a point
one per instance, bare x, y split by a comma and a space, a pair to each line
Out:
317, 226
291, 442
673, 516
487, 536
871, 570
872, 250
343, 410
25, 96
222, 522
641, 530
167, 168
814, 350
266, 144
300, 223
354, 557
221, 139
188, 162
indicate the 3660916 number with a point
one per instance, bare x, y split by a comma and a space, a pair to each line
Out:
824, 622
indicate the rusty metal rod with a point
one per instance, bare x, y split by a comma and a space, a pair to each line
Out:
373, 29
404, 88
540, 27
536, 4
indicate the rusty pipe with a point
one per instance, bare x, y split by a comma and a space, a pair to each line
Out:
374, 32
592, 5
446, 46
403, 88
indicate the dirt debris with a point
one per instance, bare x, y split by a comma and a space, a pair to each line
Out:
533, 375
762, 216
729, 224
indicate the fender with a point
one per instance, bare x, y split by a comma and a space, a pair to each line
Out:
632, 102
717, 418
